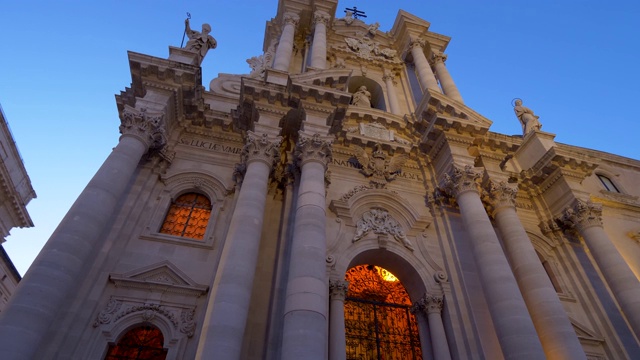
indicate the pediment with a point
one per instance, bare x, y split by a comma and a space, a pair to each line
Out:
331, 78
163, 276
438, 110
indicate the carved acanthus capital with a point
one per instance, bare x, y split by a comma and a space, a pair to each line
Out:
314, 148
388, 75
321, 17
460, 180
290, 19
260, 148
500, 195
417, 43
428, 304
582, 215
338, 289
439, 57
147, 126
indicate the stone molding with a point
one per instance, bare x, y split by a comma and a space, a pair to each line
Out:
147, 126
338, 289
582, 215
500, 195
460, 180
428, 304
378, 221
314, 148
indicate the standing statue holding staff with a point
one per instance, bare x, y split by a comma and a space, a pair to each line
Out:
199, 42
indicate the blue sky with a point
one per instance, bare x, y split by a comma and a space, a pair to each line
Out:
575, 63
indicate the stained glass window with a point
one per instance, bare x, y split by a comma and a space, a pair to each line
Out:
188, 216
140, 343
378, 323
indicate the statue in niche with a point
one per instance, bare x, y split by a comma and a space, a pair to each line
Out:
362, 97
528, 119
199, 42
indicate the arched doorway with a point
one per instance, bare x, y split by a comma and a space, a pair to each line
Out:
378, 321
140, 343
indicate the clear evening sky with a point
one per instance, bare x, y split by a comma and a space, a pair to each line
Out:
575, 63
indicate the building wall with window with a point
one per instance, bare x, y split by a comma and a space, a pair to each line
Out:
340, 201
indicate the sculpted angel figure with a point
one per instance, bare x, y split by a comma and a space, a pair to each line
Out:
200, 42
381, 169
362, 97
528, 119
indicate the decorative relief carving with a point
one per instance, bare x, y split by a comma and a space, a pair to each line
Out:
321, 17
313, 148
461, 180
262, 148
148, 126
368, 49
379, 222
548, 227
582, 215
500, 195
440, 277
428, 304
338, 289
260, 64
379, 167
290, 19
354, 191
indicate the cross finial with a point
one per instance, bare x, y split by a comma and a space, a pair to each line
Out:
355, 12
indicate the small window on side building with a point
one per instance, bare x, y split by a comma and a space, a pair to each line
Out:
188, 216
608, 184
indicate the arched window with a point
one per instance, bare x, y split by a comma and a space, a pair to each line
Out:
188, 216
378, 323
607, 183
140, 343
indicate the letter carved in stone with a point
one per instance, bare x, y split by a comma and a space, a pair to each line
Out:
380, 222
381, 169
499, 195
338, 289
314, 148
146, 126
461, 180
582, 215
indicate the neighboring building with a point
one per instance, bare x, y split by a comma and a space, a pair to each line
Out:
342, 202
15, 194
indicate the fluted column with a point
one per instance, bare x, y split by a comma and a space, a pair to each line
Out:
448, 86
71, 249
431, 306
319, 46
515, 330
285, 46
225, 321
337, 342
394, 107
586, 217
425, 74
305, 314
559, 339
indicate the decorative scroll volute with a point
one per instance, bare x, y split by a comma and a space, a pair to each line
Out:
147, 126
461, 180
582, 215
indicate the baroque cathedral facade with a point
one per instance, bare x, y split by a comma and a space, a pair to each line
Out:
339, 202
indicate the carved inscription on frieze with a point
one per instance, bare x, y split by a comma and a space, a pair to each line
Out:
211, 145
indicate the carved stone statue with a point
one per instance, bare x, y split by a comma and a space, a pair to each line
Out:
373, 28
199, 42
528, 119
362, 97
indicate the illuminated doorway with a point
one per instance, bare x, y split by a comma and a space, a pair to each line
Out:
378, 322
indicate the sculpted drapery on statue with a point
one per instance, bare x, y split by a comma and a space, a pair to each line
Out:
528, 119
199, 42
362, 97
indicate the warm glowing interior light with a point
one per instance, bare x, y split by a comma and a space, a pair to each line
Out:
386, 275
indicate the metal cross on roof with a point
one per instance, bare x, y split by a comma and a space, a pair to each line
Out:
355, 12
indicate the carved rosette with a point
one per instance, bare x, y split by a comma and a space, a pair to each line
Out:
582, 215
260, 148
314, 148
321, 17
290, 19
338, 289
428, 304
500, 195
460, 180
147, 126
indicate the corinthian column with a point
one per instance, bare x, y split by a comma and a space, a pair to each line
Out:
71, 250
285, 46
394, 108
224, 325
425, 74
448, 86
587, 219
431, 307
319, 47
559, 339
515, 330
337, 342
305, 314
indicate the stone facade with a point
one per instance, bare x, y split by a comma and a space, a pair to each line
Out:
510, 247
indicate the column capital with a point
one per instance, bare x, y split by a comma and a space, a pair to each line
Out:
315, 148
388, 75
439, 57
147, 126
460, 180
428, 304
338, 289
582, 215
500, 195
290, 18
321, 17
414, 43
260, 147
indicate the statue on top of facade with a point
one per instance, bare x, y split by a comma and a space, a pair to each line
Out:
199, 42
362, 97
528, 119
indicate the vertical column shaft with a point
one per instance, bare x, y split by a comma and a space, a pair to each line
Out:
394, 107
284, 50
71, 249
337, 341
226, 318
431, 307
448, 86
559, 339
319, 46
305, 314
514, 327
425, 74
